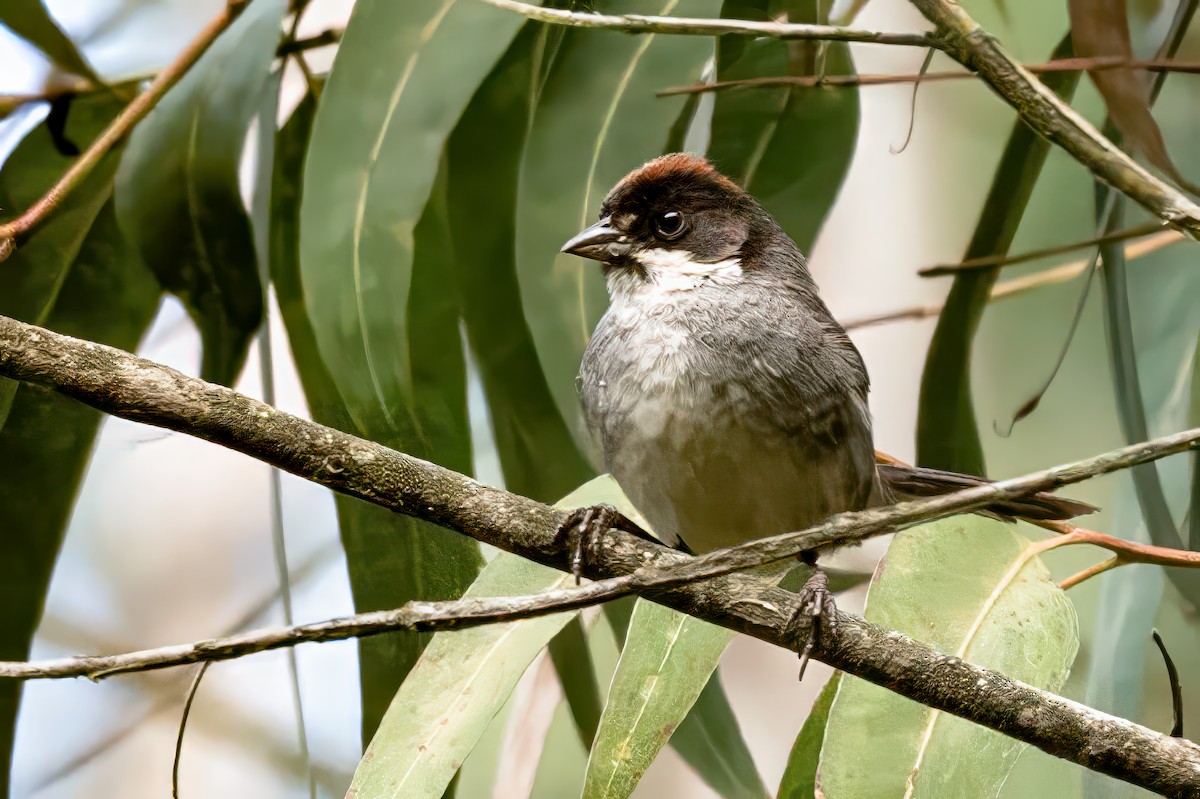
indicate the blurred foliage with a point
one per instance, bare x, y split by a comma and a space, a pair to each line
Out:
414, 219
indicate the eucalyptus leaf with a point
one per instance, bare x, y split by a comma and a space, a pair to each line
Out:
790, 147
32, 277
947, 432
391, 558
370, 172
996, 606
596, 119
45, 443
30, 20
178, 198
800, 777
462, 680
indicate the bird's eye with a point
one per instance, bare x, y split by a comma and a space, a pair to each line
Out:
669, 225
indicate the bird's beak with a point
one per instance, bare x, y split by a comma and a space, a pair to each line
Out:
600, 242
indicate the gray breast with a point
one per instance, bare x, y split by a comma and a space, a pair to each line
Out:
711, 442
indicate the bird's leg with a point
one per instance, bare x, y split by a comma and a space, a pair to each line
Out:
584, 529
817, 613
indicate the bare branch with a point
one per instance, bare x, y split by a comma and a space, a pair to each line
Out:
1020, 285
124, 385
693, 26
965, 41
849, 81
990, 261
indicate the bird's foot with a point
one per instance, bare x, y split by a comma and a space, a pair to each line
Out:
815, 617
584, 530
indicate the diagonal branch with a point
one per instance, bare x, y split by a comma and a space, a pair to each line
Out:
694, 26
118, 129
1047, 114
133, 388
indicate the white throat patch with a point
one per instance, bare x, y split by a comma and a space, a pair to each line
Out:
669, 272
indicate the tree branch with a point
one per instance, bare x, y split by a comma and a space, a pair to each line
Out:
1019, 285
118, 129
133, 388
866, 79
1047, 114
693, 26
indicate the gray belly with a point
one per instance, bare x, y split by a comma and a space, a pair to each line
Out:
716, 475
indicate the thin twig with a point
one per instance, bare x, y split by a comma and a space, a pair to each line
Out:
183, 720
990, 261
118, 129
692, 26
1020, 285
851, 81
1046, 113
124, 385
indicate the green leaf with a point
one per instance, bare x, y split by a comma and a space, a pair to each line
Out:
947, 432
800, 776
596, 119
577, 675
789, 147
30, 20
710, 739
178, 198
403, 75
45, 443
461, 681
32, 277
667, 659
996, 607
537, 453
391, 558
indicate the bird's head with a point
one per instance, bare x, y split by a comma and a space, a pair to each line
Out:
674, 221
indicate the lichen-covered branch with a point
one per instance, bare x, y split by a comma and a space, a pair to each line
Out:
124, 385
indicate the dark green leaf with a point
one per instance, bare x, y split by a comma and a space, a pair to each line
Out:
106, 296
370, 172
790, 147
596, 119
391, 558
178, 198
800, 777
30, 280
947, 433
30, 20
710, 739
537, 454
577, 675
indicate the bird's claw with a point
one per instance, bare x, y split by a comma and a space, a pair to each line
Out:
584, 530
815, 617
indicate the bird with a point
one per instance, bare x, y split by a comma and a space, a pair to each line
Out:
728, 402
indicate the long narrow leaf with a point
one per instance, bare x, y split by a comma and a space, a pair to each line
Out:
947, 433
30, 20
178, 198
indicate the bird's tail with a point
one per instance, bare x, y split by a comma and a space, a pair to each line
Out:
904, 482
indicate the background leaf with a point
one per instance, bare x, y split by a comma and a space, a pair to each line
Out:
947, 433
800, 777
997, 607
760, 137
178, 198
107, 296
597, 119
30, 20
